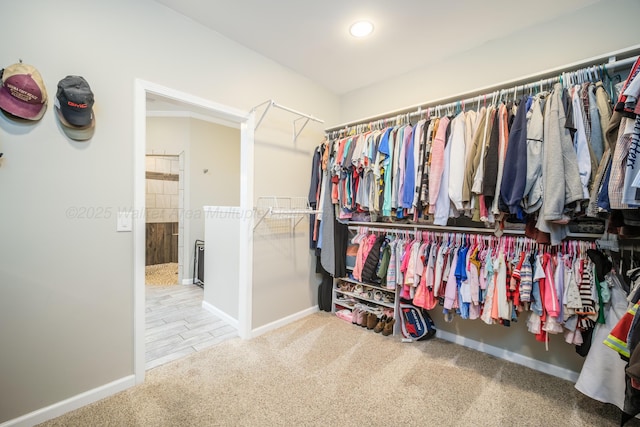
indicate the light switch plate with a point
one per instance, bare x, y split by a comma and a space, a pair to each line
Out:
124, 221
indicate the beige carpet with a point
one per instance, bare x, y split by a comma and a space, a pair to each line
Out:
322, 371
161, 274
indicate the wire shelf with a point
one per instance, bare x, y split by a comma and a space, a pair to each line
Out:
282, 214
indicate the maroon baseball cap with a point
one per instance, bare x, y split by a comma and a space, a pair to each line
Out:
23, 93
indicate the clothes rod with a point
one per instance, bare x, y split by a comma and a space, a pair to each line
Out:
459, 229
629, 56
271, 103
301, 116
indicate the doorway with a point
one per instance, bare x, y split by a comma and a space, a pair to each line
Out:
164, 226
191, 105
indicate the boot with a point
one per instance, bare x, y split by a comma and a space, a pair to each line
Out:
372, 321
380, 325
388, 327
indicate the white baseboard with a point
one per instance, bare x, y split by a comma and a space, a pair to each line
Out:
282, 322
501, 353
187, 281
72, 403
221, 314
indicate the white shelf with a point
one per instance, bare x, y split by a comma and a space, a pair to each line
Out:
360, 297
282, 213
346, 279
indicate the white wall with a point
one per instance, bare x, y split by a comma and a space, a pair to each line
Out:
597, 29
280, 253
215, 148
66, 277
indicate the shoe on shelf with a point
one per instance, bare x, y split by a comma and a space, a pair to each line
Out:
372, 320
380, 325
354, 315
362, 318
388, 327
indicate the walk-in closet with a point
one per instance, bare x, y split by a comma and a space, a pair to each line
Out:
347, 212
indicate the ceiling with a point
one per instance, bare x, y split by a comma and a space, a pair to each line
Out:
312, 38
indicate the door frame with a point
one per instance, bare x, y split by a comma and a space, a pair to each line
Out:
246, 120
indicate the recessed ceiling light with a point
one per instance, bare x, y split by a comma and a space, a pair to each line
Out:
361, 29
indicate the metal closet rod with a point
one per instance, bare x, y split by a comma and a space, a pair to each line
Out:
456, 229
543, 78
271, 103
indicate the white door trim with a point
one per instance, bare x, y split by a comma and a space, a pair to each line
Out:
246, 121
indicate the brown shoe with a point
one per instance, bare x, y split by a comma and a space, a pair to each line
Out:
388, 327
380, 325
372, 321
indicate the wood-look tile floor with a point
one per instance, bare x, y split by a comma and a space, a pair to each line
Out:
177, 325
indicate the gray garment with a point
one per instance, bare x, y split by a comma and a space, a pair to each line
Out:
560, 173
561, 176
532, 200
328, 252
597, 136
557, 232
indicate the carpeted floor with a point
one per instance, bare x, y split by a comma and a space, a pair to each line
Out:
322, 371
161, 274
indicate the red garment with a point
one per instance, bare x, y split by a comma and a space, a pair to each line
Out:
514, 285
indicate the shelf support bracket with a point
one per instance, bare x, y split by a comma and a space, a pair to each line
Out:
301, 116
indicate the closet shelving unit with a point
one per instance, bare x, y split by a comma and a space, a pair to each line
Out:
572, 73
366, 297
282, 214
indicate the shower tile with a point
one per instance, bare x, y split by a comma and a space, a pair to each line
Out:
155, 186
170, 215
150, 201
163, 201
150, 164
175, 166
171, 187
153, 215
163, 165
175, 201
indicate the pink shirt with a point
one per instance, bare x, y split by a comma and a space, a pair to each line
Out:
437, 163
